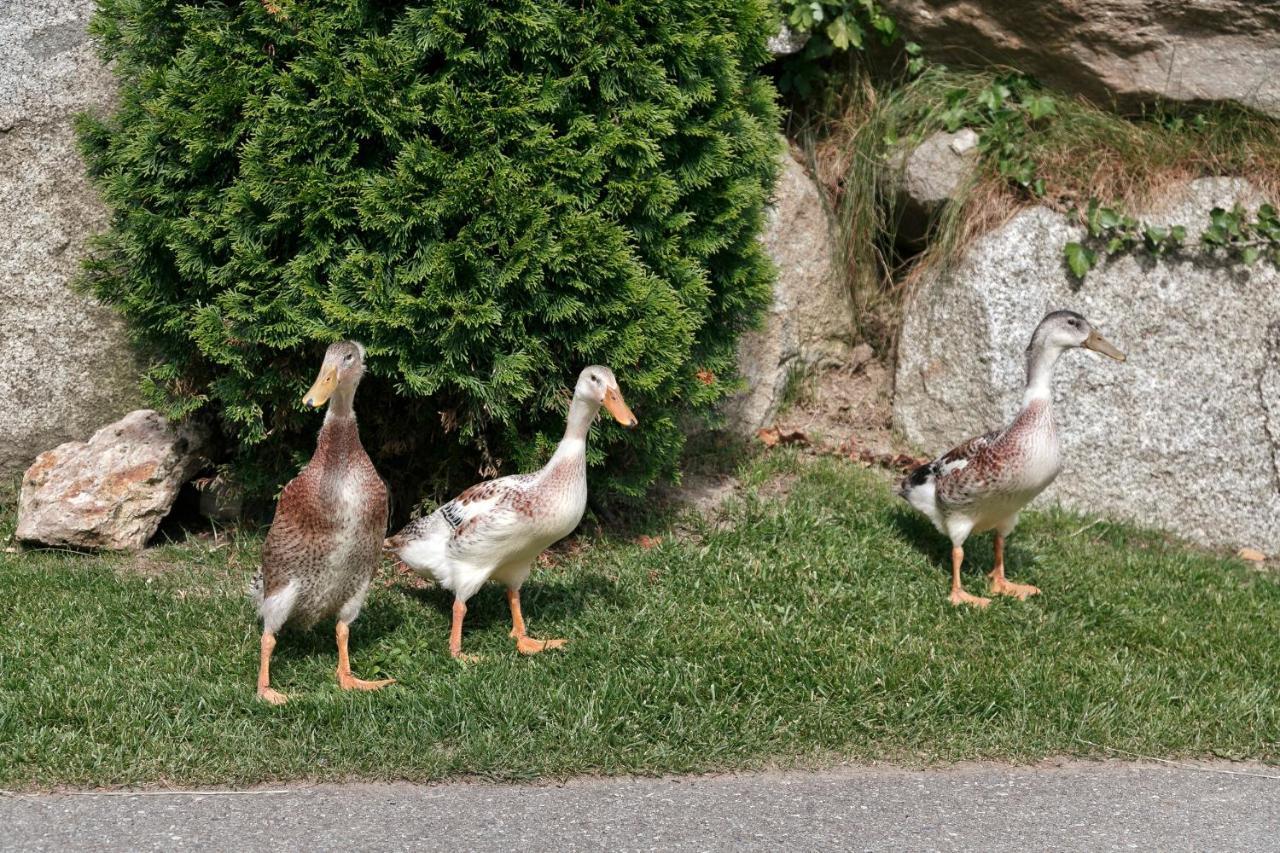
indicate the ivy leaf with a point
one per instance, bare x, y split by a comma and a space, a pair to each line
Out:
1251, 255
954, 119
1040, 106
1177, 234
839, 34
992, 97
1155, 237
1079, 259
1214, 235
1092, 216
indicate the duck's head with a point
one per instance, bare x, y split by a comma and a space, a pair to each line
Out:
1067, 330
597, 384
342, 368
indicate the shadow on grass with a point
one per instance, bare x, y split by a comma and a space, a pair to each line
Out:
918, 533
377, 620
550, 602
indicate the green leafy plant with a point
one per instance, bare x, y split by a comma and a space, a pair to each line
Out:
1239, 236
832, 27
1242, 237
1003, 113
489, 195
838, 24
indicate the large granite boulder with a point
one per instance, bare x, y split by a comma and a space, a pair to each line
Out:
112, 491
924, 177
1185, 435
1128, 51
809, 323
67, 362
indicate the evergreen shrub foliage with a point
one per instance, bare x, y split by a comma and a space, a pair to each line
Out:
490, 194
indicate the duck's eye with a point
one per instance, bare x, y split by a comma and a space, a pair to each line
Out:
350, 357
1073, 321
595, 379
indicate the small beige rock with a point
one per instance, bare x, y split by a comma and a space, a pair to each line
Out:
112, 491
862, 354
1253, 555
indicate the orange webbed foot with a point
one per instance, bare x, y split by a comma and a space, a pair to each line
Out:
275, 697
1020, 591
959, 596
530, 646
347, 681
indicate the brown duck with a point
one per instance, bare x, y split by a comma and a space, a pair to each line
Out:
326, 539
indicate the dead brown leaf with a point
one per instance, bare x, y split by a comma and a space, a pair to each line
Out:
772, 437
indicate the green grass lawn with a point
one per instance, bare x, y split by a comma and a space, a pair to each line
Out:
808, 625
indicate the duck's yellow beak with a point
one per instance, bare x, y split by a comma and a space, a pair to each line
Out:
322, 390
618, 408
1098, 343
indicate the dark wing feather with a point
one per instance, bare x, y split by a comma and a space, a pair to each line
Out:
966, 451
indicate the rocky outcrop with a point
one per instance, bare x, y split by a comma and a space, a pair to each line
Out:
925, 177
67, 364
1185, 435
112, 491
1127, 51
810, 320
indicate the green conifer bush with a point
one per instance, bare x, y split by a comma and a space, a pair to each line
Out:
490, 194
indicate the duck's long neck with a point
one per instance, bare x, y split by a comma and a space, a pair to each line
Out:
1041, 360
568, 465
341, 404
581, 413
339, 439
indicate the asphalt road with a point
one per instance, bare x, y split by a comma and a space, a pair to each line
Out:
1086, 806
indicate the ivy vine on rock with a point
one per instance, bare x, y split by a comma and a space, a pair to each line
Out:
1232, 233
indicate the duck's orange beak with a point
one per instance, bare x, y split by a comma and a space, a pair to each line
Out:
1098, 343
618, 408
322, 390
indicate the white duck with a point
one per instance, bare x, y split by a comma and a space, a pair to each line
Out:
496, 529
985, 482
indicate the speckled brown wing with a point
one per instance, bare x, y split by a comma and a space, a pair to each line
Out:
377, 515
994, 464
964, 470
300, 532
949, 461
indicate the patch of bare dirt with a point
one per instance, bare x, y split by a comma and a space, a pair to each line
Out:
843, 411
847, 411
